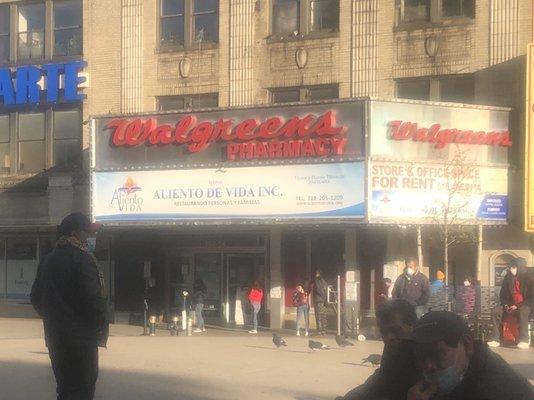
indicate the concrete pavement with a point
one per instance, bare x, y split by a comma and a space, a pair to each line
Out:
214, 365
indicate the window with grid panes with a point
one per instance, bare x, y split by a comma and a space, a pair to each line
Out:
67, 134
304, 93
458, 8
188, 102
67, 27
31, 142
31, 31
319, 16
4, 34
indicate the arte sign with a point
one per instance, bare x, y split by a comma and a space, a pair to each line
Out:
47, 84
428, 193
332, 132
308, 136
283, 193
401, 130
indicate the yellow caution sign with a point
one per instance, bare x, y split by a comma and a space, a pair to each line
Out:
529, 143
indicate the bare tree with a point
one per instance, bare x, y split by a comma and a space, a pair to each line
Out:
449, 213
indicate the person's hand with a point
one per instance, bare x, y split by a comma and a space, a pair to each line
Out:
512, 308
422, 391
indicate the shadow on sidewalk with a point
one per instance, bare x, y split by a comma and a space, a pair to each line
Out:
22, 381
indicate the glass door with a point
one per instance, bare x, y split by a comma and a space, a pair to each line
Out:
208, 267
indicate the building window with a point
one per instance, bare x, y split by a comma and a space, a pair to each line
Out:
459, 8
31, 135
457, 89
304, 93
320, 16
184, 23
414, 10
324, 15
31, 31
415, 89
206, 20
67, 133
188, 102
4, 34
5, 157
67, 28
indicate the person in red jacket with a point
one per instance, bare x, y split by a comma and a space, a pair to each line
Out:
300, 299
255, 297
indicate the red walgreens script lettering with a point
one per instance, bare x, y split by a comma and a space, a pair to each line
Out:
401, 130
198, 135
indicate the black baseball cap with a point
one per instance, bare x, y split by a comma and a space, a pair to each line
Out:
77, 222
438, 325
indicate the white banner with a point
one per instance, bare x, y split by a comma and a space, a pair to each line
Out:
429, 192
270, 192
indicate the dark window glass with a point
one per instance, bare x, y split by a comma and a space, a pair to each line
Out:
459, 8
31, 136
68, 27
67, 137
416, 10
170, 103
286, 14
5, 154
324, 15
172, 23
4, 33
287, 95
459, 89
416, 89
325, 92
21, 249
31, 25
206, 20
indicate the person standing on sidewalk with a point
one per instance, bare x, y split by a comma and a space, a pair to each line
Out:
255, 296
515, 299
68, 292
199, 294
413, 286
300, 298
320, 293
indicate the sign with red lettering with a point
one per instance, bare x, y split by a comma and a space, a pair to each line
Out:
328, 132
401, 130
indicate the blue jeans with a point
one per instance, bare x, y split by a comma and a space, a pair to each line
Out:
256, 307
303, 312
200, 318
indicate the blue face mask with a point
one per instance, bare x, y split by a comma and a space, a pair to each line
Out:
446, 379
91, 244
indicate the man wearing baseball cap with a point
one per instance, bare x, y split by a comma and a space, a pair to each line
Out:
457, 367
68, 293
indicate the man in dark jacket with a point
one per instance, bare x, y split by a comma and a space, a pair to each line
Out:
456, 367
413, 286
514, 298
320, 294
398, 368
68, 293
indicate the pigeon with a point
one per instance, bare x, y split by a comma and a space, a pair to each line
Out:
312, 344
342, 342
373, 359
278, 341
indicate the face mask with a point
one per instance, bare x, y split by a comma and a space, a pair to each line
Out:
467, 283
91, 244
410, 271
446, 379
513, 271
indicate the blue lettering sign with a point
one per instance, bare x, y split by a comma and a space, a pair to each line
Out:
26, 79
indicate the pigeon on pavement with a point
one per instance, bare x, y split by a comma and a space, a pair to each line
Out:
373, 359
312, 344
278, 341
342, 342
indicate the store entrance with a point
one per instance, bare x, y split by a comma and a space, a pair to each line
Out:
228, 277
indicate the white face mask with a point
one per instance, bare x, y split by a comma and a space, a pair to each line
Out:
513, 271
410, 271
467, 283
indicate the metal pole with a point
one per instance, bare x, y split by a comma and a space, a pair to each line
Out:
145, 321
479, 254
339, 305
